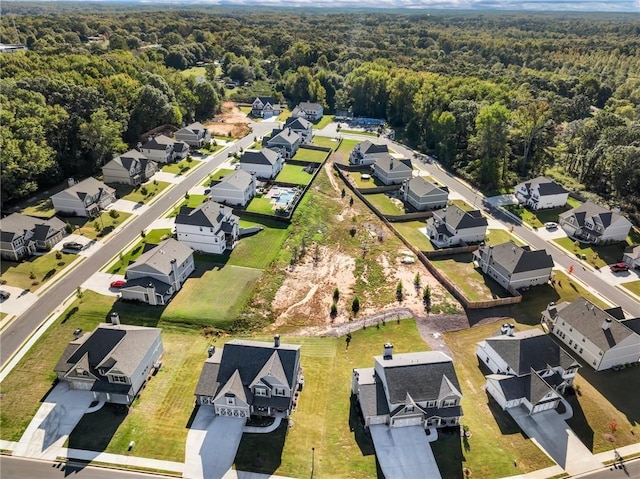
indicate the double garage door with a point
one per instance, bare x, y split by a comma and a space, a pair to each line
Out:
407, 421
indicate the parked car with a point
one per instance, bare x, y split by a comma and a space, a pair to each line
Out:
118, 284
4, 295
616, 268
550, 225
73, 245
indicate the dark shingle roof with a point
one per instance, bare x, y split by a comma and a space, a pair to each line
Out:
546, 186
591, 210
457, 218
297, 123
139, 284
160, 257
208, 214
263, 157
371, 396
159, 142
367, 147
516, 259
16, 224
422, 187
388, 163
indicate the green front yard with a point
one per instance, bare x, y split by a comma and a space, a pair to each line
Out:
598, 256
410, 230
284, 114
360, 132
385, 204
100, 226
194, 71
307, 154
537, 219
140, 194
463, 205
32, 273
496, 237
41, 209
326, 142
633, 286
152, 237
182, 167
294, 174
192, 202
218, 175
324, 121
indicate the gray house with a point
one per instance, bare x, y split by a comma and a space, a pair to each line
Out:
114, 361
302, 127
308, 110
591, 223
367, 152
513, 266
251, 378
236, 189
265, 164
540, 193
265, 107
632, 256
208, 228
21, 235
158, 273
159, 148
454, 226
86, 198
392, 171
285, 141
195, 134
424, 195
130, 168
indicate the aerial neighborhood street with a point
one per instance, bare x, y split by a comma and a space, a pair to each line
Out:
232, 254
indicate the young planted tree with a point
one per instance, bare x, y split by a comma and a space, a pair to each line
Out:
355, 305
426, 298
334, 310
336, 295
399, 291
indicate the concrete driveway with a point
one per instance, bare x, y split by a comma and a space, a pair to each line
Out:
52, 424
212, 443
100, 282
551, 434
18, 302
404, 452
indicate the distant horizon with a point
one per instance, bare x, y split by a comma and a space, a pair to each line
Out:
515, 6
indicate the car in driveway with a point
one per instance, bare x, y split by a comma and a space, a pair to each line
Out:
73, 245
4, 295
118, 284
618, 267
551, 225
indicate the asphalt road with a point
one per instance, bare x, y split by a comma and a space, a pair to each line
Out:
21, 468
19, 330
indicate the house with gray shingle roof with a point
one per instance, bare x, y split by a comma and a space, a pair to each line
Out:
631, 256
86, 198
367, 152
21, 235
301, 126
392, 171
195, 134
527, 367
265, 107
540, 193
130, 168
513, 266
265, 163
158, 273
285, 141
251, 378
591, 223
159, 148
409, 389
114, 361
599, 336
453, 226
236, 188
209, 228
308, 110
423, 194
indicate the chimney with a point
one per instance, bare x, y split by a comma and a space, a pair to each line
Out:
222, 210
391, 164
511, 329
77, 333
388, 351
115, 318
606, 324
176, 276
149, 138
139, 146
210, 350
276, 341
504, 329
71, 182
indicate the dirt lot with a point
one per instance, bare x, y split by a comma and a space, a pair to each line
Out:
231, 120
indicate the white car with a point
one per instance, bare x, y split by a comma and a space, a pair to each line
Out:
550, 225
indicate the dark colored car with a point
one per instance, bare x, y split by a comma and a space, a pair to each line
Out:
616, 268
4, 295
74, 245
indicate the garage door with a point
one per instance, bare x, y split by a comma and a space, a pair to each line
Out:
407, 421
545, 406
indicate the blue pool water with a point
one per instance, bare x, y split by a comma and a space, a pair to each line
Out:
285, 197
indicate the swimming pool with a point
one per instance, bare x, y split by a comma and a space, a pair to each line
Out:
285, 197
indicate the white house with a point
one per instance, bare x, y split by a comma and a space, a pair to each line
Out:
86, 198
410, 389
130, 168
158, 273
21, 235
367, 152
285, 141
238, 188
159, 148
265, 107
114, 361
209, 228
454, 226
632, 257
513, 266
424, 195
540, 193
265, 163
245, 378
527, 367
591, 223
309, 111
195, 134
392, 171
302, 127
600, 337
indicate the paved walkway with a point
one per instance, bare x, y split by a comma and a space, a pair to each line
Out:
121, 460
168, 177
128, 206
99, 282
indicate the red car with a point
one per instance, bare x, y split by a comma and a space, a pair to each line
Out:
118, 284
616, 268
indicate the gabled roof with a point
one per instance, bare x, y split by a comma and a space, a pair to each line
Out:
84, 188
305, 105
589, 209
209, 214
632, 252
457, 218
141, 284
128, 159
421, 187
286, 135
265, 156
538, 388
195, 127
159, 142
367, 147
239, 179
387, 163
297, 123
272, 373
17, 224
161, 257
546, 186
516, 259
233, 386
265, 99
530, 349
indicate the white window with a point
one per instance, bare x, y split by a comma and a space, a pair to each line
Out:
449, 403
431, 404
119, 379
231, 401
260, 392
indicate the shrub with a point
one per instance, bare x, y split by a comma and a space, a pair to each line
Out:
355, 305
114, 214
334, 310
58, 255
399, 291
68, 228
336, 295
143, 191
32, 275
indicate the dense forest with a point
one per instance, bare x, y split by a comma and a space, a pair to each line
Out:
497, 97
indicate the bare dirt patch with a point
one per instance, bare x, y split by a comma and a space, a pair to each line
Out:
230, 121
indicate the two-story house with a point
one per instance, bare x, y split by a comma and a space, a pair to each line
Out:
195, 134
237, 189
309, 111
158, 273
527, 367
285, 141
453, 226
631, 256
251, 378
302, 127
424, 195
265, 163
86, 198
114, 361
540, 193
367, 152
209, 228
600, 337
21, 235
160, 149
591, 223
513, 266
410, 389
265, 107
392, 171
130, 168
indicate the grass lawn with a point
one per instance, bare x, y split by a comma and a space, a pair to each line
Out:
152, 237
106, 224
324, 121
359, 132
363, 184
325, 141
306, 154
476, 286
341, 155
598, 256
410, 230
43, 267
259, 250
633, 286
386, 205
217, 176
194, 71
245, 109
284, 114
182, 167
260, 204
496, 237
463, 205
135, 194
42, 209
294, 174
192, 202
